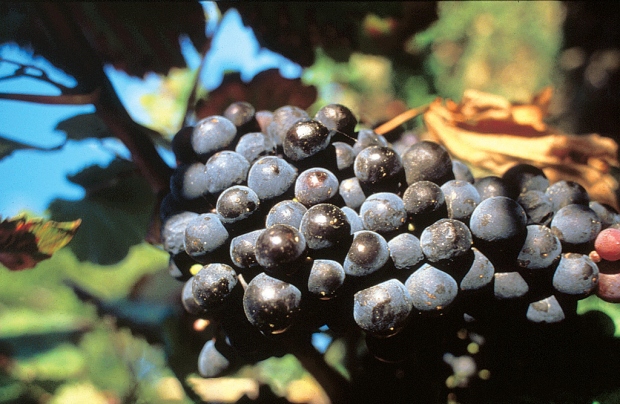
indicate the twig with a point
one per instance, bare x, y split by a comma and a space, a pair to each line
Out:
62, 99
400, 119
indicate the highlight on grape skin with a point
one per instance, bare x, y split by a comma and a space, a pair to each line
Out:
607, 244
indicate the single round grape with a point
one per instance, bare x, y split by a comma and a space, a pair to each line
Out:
326, 277
524, 177
279, 244
431, 289
324, 225
461, 199
462, 172
351, 192
354, 219
480, 274
547, 310
423, 197
367, 254
382, 309
189, 181
213, 284
537, 206
383, 212
608, 215
211, 362
182, 146
188, 301
576, 224
445, 239
212, 134
564, 193
405, 251
376, 164
337, 117
345, 157
491, 185
225, 169
609, 287
541, 248
367, 138
509, 285
287, 211
254, 145
498, 219
427, 161
282, 119
204, 234
243, 249
305, 138
236, 203
271, 176
240, 113
576, 274
607, 244
270, 304
173, 231
316, 185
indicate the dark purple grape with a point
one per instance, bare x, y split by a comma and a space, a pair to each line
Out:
480, 274
564, 193
523, 177
236, 203
337, 117
541, 248
326, 277
189, 302
254, 145
243, 249
461, 171
316, 185
271, 176
427, 161
367, 138
345, 157
173, 231
351, 192
189, 181
510, 285
212, 285
278, 245
305, 138
431, 289
283, 118
354, 219
204, 234
211, 362
537, 207
446, 239
576, 224
547, 310
242, 115
491, 185
405, 251
576, 274
182, 146
382, 309
461, 199
368, 253
383, 212
270, 304
607, 214
212, 134
286, 212
378, 168
325, 225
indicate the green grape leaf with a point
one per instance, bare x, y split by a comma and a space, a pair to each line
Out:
281, 92
8, 146
84, 126
115, 213
25, 242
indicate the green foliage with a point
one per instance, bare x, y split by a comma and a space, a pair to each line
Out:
84, 126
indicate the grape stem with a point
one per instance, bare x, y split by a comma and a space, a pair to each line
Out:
400, 119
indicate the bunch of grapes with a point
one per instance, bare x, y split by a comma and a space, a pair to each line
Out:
299, 223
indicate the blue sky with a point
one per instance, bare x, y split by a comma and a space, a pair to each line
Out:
30, 179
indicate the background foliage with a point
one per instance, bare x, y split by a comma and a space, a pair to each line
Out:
100, 321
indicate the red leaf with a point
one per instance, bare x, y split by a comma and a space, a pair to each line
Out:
26, 242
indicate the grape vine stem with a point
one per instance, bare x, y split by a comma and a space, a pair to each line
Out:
400, 119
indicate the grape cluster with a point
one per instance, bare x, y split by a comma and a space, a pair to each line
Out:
299, 222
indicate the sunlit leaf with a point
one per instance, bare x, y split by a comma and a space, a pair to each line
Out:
224, 389
62, 362
77, 393
281, 92
22, 322
25, 242
115, 212
84, 126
